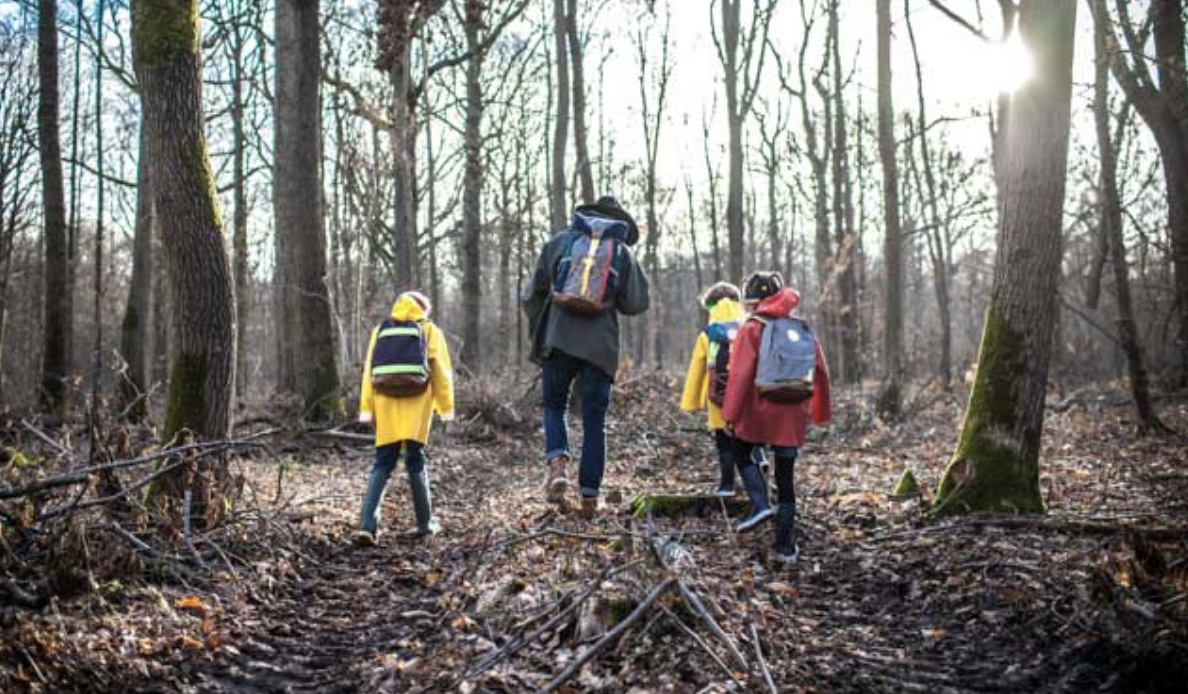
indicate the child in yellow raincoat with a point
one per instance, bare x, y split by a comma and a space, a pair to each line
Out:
705, 382
407, 377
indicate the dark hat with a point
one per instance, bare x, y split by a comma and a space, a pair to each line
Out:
718, 292
762, 284
608, 207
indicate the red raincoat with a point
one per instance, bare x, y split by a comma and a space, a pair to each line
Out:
756, 419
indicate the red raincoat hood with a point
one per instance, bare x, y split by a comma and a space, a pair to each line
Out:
779, 305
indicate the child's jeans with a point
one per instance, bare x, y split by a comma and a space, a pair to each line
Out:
560, 371
386, 457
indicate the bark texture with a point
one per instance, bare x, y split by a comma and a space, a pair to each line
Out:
472, 193
58, 319
893, 233
996, 464
136, 331
165, 38
308, 365
585, 169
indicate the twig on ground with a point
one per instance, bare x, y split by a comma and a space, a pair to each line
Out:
695, 606
762, 663
701, 642
610, 636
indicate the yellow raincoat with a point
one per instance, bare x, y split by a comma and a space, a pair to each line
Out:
408, 419
696, 394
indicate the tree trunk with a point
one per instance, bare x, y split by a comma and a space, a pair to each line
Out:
136, 334
403, 192
166, 47
472, 195
893, 234
843, 213
239, 240
1111, 227
58, 319
558, 207
1168, 31
731, 35
580, 132
996, 463
307, 334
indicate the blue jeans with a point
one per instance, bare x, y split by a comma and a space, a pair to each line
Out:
560, 371
386, 457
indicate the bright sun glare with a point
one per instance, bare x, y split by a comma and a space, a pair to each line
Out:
1005, 66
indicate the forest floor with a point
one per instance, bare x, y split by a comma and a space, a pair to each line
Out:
1093, 596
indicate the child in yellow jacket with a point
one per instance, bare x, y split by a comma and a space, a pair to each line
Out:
705, 382
407, 377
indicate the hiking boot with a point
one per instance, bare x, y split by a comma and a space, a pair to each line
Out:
558, 481
363, 538
589, 508
428, 530
756, 488
786, 549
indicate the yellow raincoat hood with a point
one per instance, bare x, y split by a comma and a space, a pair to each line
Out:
696, 392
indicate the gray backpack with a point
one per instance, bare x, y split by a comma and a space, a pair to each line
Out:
586, 277
787, 360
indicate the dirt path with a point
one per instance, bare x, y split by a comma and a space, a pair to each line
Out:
329, 630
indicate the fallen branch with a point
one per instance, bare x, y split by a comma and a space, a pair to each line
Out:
81, 475
610, 636
695, 606
701, 642
762, 663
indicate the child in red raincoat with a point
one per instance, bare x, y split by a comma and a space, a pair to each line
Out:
756, 419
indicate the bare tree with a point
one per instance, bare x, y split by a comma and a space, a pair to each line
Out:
652, 119
305, 336
558, 208
996, 464
1110, 213
889, 402
1163, 105
742, 52
581, 144
58, 314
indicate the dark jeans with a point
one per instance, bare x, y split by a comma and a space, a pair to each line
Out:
560, 371
785, 466
386, 458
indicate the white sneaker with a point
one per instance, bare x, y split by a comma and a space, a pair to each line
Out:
724, 492
788, 558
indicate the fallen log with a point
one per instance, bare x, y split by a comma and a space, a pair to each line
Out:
678, 505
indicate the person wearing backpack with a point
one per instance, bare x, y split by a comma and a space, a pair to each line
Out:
705, 380
585, 276
406, 378
779, 381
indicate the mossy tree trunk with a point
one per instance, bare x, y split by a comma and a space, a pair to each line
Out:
58, 319
165, 37
307, 331
136, 334
996, 465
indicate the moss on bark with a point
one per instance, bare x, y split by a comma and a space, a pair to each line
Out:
996, 464
161, 29
907, 486
185, 406
324, 401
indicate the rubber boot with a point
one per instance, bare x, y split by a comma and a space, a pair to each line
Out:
786, 549
756, 488
726, 478
418, 483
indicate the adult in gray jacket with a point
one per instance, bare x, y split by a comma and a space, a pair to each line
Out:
585, 277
